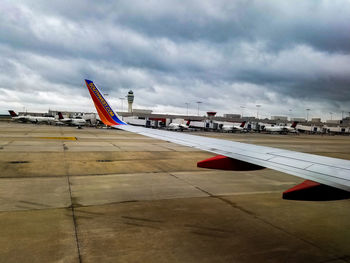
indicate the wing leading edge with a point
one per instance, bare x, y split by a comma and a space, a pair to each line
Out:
325, 170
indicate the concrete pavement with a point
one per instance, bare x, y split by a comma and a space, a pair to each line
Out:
113, 196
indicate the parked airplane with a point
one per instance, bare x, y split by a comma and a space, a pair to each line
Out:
272, 128
324, 174
233, 127
71, 121
32, 119
179, 126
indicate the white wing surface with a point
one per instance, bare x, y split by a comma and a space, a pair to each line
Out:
325, 170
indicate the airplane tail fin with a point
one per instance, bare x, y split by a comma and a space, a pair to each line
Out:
294, 124
104, 110
13, 114
60, 116
242, 124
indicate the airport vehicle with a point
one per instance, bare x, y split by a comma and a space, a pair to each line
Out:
179, 126
325, 176
71, 121
32, 119
233, 127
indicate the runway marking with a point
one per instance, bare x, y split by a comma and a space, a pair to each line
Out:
60, 138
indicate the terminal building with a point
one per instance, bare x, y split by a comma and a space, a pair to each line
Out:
279, 118
146, 117
298, 119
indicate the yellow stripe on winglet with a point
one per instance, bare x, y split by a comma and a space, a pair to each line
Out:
60, 138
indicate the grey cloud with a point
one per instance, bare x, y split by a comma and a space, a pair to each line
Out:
226, 53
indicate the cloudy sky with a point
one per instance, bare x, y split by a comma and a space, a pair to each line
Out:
231, 55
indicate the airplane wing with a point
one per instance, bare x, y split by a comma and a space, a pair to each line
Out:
324, 170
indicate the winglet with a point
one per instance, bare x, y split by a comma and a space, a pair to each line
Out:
106, 113
242, 124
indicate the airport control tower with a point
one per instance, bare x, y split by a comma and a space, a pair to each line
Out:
130, 100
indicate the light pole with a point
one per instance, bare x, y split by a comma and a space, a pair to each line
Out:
331, 113
257, 110
242, 110
290, 114
187, 107
122, 99
198, 102
307, 115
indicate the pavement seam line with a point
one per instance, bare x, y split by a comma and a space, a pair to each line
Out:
72, 206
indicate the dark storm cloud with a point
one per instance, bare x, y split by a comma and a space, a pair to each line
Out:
322, 24
226, 53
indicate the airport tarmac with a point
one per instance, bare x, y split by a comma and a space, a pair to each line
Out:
104, 195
